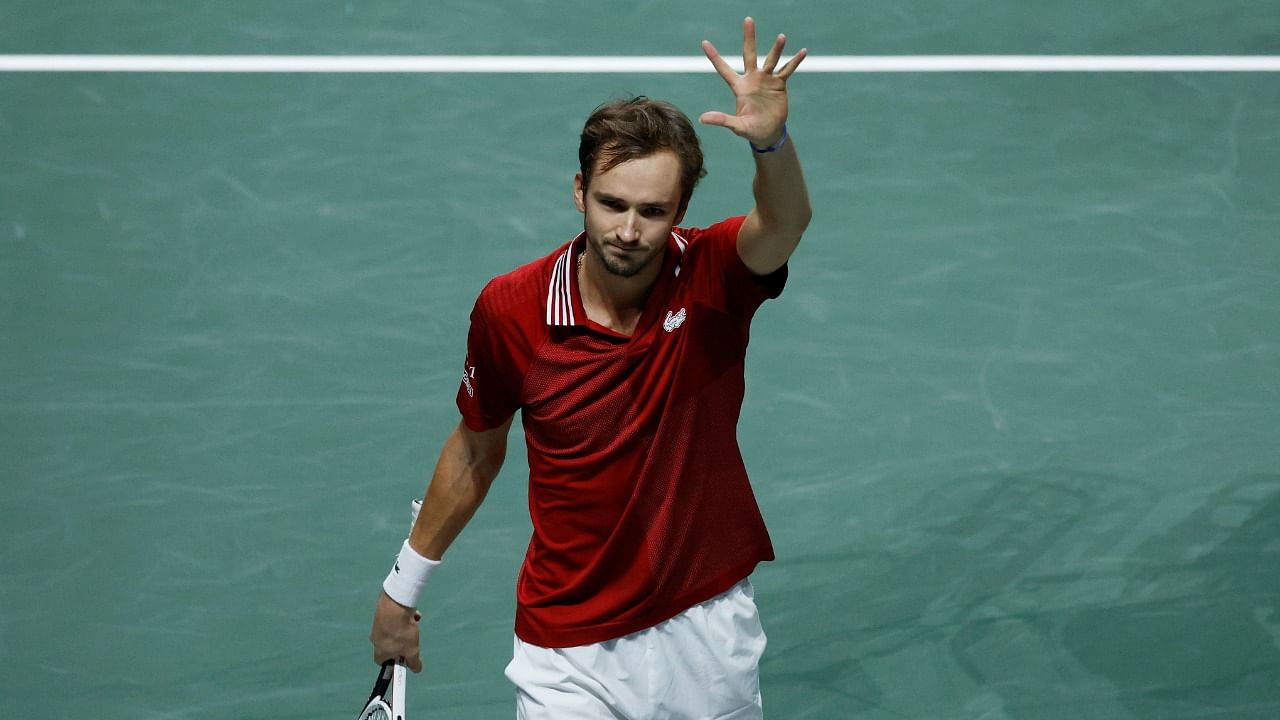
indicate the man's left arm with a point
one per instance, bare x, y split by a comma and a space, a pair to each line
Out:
773, 228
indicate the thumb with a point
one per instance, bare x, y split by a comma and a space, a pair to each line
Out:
715, 117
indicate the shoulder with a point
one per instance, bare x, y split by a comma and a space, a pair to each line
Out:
713, 252
713, 246
720, 234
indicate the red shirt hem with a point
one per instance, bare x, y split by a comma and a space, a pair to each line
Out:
561, 637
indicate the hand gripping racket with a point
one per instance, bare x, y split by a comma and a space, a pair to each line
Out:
386, 702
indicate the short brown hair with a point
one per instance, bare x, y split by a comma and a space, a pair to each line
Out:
622, 130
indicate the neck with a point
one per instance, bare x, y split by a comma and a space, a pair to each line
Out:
612, 301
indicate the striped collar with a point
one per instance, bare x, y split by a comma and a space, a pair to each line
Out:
562, 290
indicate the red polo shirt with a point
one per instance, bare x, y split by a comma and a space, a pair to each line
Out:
640, 502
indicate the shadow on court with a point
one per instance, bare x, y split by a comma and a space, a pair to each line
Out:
1051, 595
1199, 632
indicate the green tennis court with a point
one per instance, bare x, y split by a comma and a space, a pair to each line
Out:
1014, 424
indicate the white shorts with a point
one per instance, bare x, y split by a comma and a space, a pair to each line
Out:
703, 664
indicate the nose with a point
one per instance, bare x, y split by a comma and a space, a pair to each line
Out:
629, 230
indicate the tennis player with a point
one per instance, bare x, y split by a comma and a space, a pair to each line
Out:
623, 350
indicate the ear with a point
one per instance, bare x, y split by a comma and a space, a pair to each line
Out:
579, 193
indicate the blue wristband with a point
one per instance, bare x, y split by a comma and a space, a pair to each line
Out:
774, 147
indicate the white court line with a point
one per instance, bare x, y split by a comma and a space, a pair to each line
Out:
626, 64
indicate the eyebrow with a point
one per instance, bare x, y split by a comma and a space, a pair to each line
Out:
604, 196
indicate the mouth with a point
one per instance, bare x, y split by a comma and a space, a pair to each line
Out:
624, 260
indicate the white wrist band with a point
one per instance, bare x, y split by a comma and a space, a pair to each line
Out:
408, 576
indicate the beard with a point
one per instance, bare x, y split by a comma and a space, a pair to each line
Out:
623, 264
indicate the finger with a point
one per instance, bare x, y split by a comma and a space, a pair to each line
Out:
793, 63
724, 120
712, 117
382, 655
775, 53
725, 70
414, 662
748, 45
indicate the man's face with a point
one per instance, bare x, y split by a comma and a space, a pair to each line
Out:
630, 210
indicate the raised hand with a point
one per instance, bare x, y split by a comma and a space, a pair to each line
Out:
760, 92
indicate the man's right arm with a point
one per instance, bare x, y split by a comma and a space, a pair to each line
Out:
468, 464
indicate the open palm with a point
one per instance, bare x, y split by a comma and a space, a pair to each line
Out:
760, 92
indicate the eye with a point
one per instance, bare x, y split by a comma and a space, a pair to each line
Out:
655, 212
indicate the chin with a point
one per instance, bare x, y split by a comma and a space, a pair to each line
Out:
628, 265
620, 263
623, 270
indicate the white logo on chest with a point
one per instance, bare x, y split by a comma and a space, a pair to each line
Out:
673, 320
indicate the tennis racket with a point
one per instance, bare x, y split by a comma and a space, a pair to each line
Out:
386, 702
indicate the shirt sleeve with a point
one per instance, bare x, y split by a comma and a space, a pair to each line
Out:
744, 290
491, 380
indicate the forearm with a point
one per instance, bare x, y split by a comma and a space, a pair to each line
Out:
773, 228
782, 199
458, 486
468, 464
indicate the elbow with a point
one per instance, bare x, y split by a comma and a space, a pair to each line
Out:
790, 223
794, 227
804, 212
802, 222
796, 221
